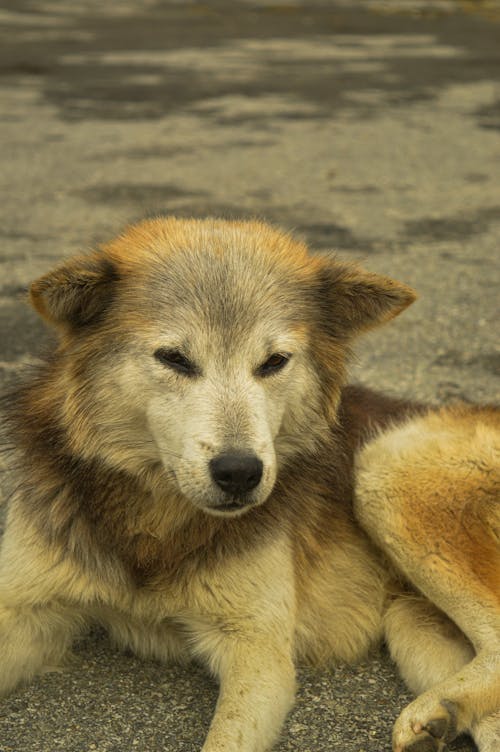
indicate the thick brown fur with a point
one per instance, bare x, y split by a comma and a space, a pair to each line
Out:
373, 517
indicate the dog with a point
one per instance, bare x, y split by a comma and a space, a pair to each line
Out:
198, 478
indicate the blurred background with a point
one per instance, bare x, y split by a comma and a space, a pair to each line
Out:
370, 128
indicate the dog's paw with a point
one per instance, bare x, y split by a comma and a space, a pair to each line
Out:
422, 728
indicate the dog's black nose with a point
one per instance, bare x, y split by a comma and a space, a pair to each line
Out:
236, 472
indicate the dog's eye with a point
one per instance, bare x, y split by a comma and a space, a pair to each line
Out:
274, 363
177, 361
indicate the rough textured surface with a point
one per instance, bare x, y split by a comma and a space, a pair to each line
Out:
370, 127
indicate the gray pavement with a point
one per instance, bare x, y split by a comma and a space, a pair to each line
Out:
371, 128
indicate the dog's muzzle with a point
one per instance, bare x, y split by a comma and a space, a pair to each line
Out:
236, 473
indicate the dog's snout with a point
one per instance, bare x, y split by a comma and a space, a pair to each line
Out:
236, 472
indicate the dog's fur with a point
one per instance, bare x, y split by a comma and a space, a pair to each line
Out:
184, 341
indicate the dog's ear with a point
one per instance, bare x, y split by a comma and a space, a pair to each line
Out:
76, 293
354, 300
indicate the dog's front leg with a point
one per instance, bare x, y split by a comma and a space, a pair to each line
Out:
257, 688
241, 624
38, 621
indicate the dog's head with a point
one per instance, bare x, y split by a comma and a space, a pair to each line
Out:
213, 349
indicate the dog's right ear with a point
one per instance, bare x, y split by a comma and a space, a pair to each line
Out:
76, 293
355, 300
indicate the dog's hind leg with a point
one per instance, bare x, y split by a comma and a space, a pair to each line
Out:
37, 627
425, 645
428, 648
486, 733
428, 495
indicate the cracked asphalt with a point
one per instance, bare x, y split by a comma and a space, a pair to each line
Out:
369, 127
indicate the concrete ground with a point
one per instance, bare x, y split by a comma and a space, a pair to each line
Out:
369, 127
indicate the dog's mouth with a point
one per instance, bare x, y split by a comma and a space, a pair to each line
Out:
231, 508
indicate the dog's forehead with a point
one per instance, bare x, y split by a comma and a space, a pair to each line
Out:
226, 279
228, 296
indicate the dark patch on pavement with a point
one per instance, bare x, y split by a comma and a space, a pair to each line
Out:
150, 195
329, 235
476, 177
161, 151
245, 143
452, 228
158, 151
14, 291
265, 121
23, 235
489, 362
70, 66
489, 116
460, 258
357, 189
24, 68
449, 392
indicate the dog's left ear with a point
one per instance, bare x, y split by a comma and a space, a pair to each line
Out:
353, 300
76, 293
